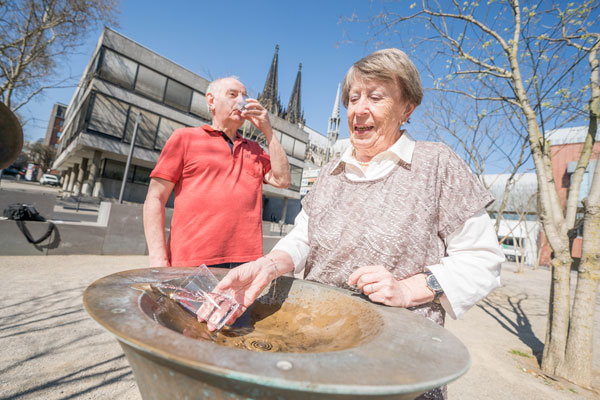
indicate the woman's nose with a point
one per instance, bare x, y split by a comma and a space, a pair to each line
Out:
362, 106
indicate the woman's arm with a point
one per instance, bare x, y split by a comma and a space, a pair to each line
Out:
469, 272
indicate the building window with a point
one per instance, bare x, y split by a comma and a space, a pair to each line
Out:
199, 106
150, 83
178, 96
117, 69
108, 116
114, 170
146, 129
299, 150
287, 142
165, 130
141, 175
296, 173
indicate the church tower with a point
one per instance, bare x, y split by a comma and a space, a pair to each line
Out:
333, 128
268, 98
294, 112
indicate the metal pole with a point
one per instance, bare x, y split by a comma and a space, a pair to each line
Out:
131, 147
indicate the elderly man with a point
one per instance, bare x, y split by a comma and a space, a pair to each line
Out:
217, 176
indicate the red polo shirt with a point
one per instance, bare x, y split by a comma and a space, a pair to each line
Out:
218, 197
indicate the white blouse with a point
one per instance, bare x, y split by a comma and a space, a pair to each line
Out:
471, 268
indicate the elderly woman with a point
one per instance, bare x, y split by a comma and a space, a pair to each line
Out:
400, 220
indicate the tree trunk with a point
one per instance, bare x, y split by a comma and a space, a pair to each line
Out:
577, 366
558, 313
578, 361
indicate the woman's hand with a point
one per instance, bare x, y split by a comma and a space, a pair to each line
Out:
381, 287
244, 284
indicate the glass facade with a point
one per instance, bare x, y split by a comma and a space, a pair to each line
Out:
147, 127
114, 170
296, 175
108, 115
117, 69
150, 83
178, 95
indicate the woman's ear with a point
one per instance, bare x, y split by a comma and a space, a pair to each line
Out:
408, 110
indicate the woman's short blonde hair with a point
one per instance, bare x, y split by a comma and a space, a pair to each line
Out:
386, 65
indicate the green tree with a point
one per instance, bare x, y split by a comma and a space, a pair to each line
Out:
36, 36
539, 60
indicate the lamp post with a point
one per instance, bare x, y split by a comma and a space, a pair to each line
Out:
131, 147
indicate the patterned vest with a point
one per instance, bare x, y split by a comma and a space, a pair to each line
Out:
398, 221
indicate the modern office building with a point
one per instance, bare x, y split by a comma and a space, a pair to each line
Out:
55, 125
124, 80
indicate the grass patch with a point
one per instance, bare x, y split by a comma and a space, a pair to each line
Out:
572, 390
520, 353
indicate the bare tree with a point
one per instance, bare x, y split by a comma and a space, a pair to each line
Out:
41, 154
530, 58
38, 35
483, 134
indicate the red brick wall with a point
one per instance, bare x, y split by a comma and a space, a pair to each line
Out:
561, 156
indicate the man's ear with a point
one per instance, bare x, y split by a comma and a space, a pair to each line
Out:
210, 102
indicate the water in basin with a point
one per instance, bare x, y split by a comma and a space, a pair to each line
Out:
284, 319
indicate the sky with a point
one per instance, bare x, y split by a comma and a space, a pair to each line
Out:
221, 38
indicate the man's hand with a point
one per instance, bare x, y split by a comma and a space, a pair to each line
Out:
380, 285
258, 116
244, 284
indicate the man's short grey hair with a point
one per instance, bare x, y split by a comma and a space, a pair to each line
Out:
215, 86
386, 65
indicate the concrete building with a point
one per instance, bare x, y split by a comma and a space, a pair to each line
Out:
55, 125
124, 79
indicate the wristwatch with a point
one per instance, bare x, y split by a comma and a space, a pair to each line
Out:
433, 285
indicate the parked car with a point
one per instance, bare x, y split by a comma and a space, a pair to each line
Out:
48, 179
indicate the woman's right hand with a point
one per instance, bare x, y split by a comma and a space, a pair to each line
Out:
244, 283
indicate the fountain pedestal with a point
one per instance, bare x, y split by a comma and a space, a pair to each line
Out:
310, 341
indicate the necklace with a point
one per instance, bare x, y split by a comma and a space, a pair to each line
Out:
361, 163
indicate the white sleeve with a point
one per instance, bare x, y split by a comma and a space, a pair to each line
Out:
471, 269
295, 243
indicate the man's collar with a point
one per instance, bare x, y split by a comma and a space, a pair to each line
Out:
402, 148
212, 130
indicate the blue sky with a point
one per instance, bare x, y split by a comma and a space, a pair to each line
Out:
220, 38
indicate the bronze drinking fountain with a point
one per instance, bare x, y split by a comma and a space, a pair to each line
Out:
300, 340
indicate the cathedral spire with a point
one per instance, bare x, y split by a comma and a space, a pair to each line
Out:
333, 128
268, 98
294, 111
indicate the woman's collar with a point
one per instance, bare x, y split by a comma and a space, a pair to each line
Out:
402, 148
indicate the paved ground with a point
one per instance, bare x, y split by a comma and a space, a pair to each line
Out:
51, 349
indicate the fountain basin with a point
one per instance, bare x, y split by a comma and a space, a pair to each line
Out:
326, 343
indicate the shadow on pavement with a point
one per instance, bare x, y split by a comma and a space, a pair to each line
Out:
514, 320
50, 348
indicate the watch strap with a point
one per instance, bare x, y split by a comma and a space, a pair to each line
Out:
433, 285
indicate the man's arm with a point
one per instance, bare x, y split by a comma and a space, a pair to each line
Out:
279, 175
154, 220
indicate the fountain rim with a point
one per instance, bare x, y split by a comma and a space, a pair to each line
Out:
295, 358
